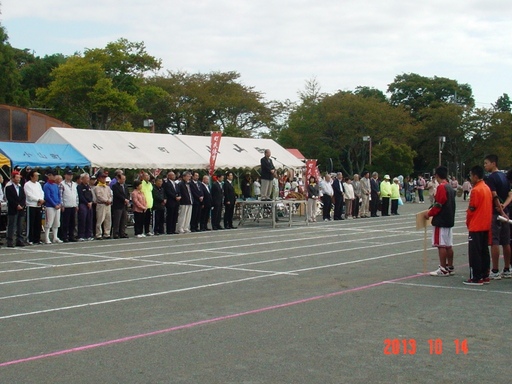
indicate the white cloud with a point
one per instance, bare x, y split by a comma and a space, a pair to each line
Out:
278, 45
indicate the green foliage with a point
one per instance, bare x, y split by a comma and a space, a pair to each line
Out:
503, 104
10, 90
333, 128
393, 158
417, 92
99, 89
199, 103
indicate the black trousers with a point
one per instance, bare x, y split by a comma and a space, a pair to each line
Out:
216, 216
138, 217
158, 221
478, 254
205, 215
394, 206
326, 209
172, 219
229, 211
338, 207
385, 206
34, 224
374, 204
119, 218
147, 221
67, 224
196, 215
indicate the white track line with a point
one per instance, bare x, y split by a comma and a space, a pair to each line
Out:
455, 288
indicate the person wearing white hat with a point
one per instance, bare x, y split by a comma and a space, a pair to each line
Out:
385, 195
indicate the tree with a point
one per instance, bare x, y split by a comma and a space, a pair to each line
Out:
371, 92
503, 104
10, 91
332, 129
199, 103
417, 92
99, 89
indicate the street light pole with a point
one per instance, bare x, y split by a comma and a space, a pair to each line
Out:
442, 140
369, 138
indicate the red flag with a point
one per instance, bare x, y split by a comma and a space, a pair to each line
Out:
214, 150
311, 170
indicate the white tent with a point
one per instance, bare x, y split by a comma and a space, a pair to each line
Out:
119, 149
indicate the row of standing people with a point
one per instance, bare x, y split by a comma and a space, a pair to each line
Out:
95, 208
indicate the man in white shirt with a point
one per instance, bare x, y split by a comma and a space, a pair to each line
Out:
35, 200
69, 198
326, 192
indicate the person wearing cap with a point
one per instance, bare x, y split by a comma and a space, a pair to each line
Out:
385, 195
103, 195
85, 208
395, 195
53, 205
35, 200
16, 201
69, 196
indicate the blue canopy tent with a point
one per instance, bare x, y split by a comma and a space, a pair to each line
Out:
42, 155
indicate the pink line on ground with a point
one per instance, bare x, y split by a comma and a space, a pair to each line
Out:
202, 322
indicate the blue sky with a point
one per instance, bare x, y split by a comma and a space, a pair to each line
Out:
277, 46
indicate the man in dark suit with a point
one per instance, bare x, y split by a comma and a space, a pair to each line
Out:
217, 200
120, 201
185, 212
16, 201
172, 204
197, 194
337, 186
267, 175
229, 201
374, 193
206, 207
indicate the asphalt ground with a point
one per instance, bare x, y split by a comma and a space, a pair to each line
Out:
332, 302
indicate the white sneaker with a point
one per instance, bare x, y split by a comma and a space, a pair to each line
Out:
506, 274
140, 236
81, 239
441, 272
47, 242
57, 240
150, 234
495, 275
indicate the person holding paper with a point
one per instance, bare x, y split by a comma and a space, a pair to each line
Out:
443, 220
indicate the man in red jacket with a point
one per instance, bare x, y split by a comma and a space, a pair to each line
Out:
478, 221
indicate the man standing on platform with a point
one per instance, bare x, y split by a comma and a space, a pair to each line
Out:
326, 191
267, 175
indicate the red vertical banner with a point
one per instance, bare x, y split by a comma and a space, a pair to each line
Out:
311, 170
214, 150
